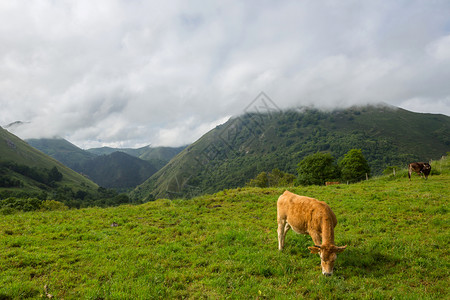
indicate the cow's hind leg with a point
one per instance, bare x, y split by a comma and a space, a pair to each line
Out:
283, 227
286, 228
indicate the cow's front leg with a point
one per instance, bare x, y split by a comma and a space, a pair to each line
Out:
317, 238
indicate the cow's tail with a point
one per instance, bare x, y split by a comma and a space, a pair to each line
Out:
409, 172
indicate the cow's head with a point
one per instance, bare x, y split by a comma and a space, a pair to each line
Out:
328, 255
426, 170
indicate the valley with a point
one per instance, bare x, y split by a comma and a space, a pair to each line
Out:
117, 168
234, 153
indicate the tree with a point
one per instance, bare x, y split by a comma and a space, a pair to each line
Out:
54, 175
317, 168
260, 181
354, 166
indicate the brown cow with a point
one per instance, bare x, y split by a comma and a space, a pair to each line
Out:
309, 216
420, 168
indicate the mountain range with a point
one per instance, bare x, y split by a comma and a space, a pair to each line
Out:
157, 156
231, 154
119, 168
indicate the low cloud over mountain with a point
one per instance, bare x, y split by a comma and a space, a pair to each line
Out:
132, 73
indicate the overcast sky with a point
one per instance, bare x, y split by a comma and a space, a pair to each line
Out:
131, 73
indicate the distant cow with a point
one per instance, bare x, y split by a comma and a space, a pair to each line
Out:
309, 216
420, 168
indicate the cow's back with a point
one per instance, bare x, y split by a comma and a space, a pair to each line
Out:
416, 167
304, 214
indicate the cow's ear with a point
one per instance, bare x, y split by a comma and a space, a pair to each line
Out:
340, 249
314, 249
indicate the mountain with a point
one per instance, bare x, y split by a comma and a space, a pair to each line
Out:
108, 167
117, 170
233, 153
160, 156
112, 170
63, 151
14, 125
25, 169
125, 168
108, 150
157, 156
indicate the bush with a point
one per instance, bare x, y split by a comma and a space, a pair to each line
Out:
441, 166
53, 205
23, 204
7, 211
276, 178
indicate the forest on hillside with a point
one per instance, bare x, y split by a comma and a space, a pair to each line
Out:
237, 151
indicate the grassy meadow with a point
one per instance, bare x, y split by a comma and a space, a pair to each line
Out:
225, 246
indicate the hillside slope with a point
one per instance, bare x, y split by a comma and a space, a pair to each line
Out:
105, 166
117, 170
233, 153
224, 246
157, 156
160, 156
63, 151
27, 159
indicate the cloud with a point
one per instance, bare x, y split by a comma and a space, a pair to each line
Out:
440, 48
130, 73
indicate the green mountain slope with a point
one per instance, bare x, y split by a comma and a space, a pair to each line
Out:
160, 156
112, 170
63, 151
121, 168
117, 170
233, 153
157, 156
18, 160
161, 153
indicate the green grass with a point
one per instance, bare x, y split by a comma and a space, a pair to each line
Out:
225, 246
